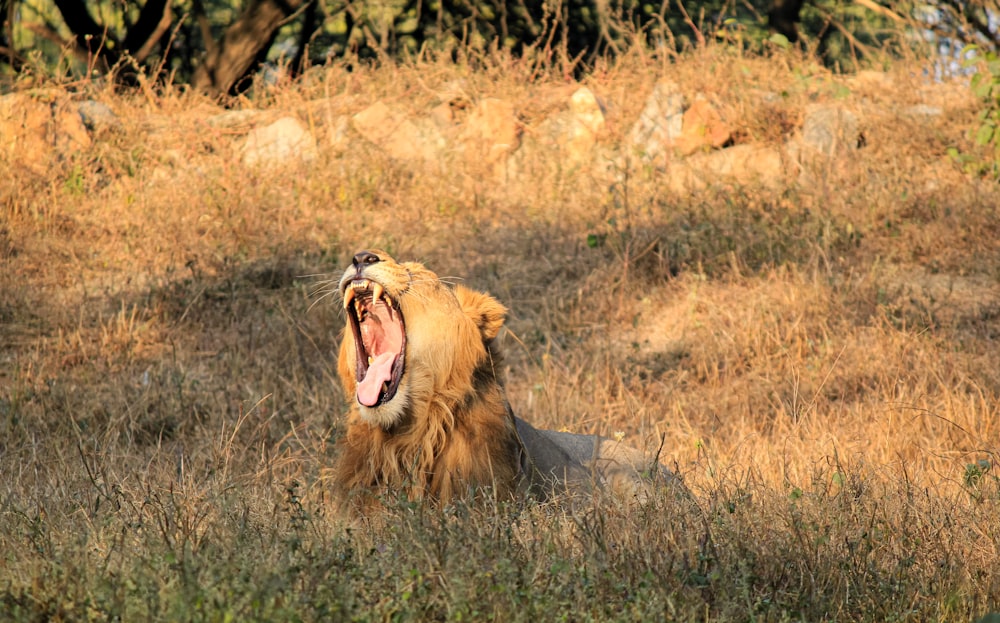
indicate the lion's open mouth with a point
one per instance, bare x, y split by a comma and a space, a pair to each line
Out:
380, 340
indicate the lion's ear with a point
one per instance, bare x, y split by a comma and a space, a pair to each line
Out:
487, 312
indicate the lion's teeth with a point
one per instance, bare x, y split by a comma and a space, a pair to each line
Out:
357, 308
377, 290
370, 359
388, 301
348, 297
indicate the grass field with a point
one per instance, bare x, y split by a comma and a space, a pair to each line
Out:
820, 359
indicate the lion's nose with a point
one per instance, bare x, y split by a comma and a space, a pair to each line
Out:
365, 257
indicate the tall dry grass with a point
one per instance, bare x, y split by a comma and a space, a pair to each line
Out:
818, 359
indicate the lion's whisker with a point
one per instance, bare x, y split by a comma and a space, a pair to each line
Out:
324, 288
319, 299
310, 275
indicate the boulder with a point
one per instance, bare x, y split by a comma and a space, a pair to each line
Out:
34, 128
660, 122
98, 116
491, 132
831, 130
399, 137
739, 164
702, 129
283, 142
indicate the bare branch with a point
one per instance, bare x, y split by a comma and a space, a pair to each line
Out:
699, 37
204, 26
154, 20
881, 10
46, 32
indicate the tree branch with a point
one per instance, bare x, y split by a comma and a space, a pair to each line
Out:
204, 26
143, 35
881, 10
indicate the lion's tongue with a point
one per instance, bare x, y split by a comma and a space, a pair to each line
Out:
379, 371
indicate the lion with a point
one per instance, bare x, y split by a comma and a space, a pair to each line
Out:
429, 419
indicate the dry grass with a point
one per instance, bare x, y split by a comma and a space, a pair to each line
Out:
821, 362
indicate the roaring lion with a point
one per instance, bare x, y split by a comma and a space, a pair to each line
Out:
430, 418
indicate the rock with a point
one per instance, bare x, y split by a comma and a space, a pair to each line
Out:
234, 119
588, 110
399, 137
69, 134
831, 130
584, 126
285, 141
491, 132
443, 115
23, 122
746, 164
33, 129
581, 126
98, 116
455, 93
572, 133
829, 134
739, 164
659, 123
702, 128
338, 134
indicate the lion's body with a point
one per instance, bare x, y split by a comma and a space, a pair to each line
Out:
430, 418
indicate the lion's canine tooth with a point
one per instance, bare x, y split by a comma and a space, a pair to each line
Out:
370, 359
348, 297
388, 301
377, 290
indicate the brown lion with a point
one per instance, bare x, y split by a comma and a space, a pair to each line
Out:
430, 418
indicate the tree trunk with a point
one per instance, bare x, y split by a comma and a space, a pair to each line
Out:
243, 41
783, 16
310, 24
6, 40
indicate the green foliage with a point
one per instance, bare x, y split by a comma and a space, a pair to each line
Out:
977, 480
574, 32
985, 84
